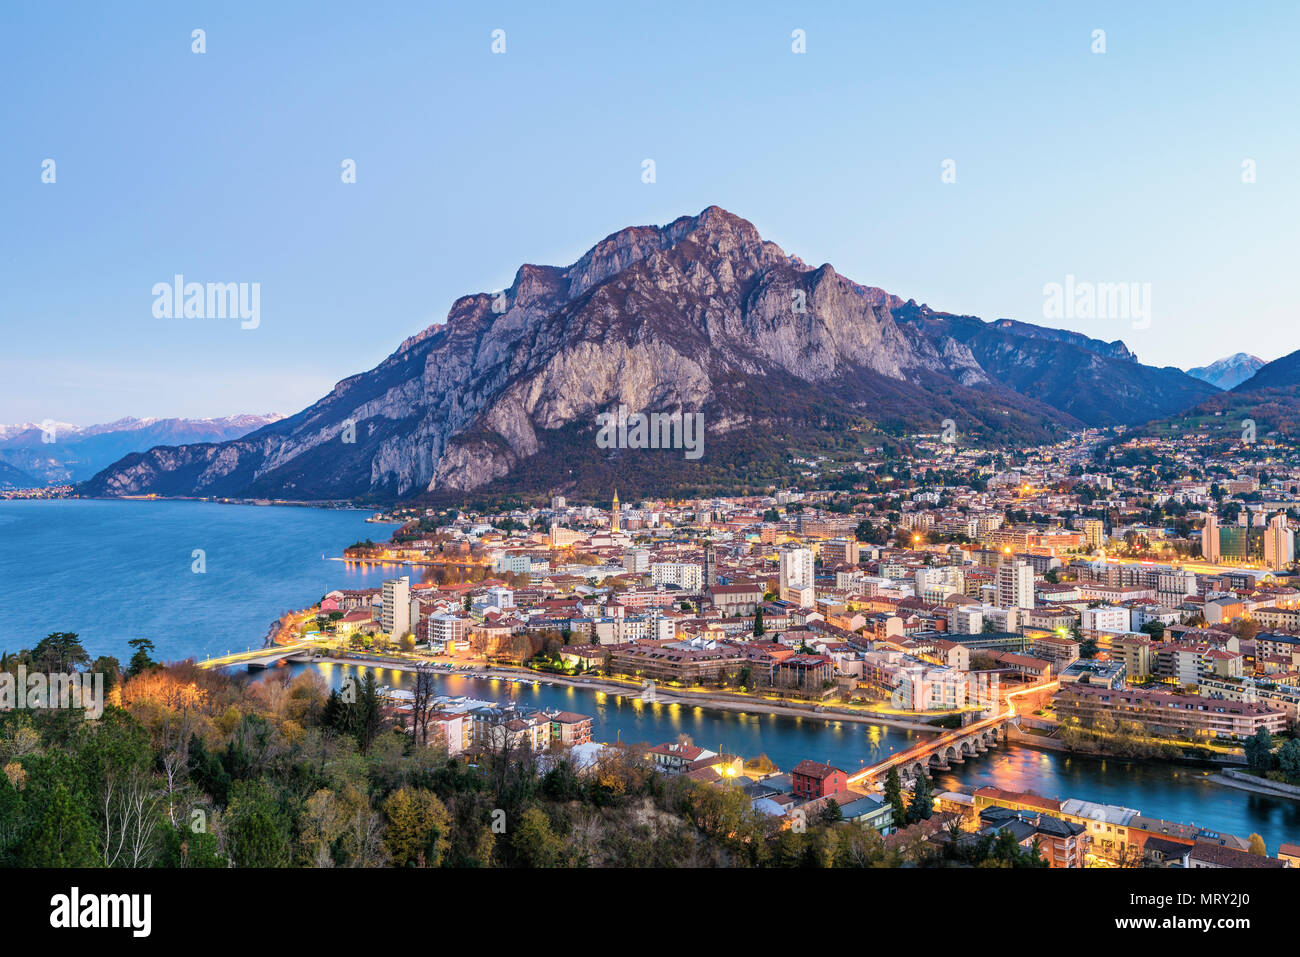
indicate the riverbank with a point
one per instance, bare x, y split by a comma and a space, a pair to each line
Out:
1043, 742
1243, 781
714, 700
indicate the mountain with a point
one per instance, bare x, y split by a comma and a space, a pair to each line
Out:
1269, 400
702, 315
12, 478
1283, 373
55, 453
1095, 382
1228, 373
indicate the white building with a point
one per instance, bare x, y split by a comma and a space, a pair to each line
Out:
501, 596
444, 632
796, 572
1015, 582
966, 620
1106, 618
1279, 543
395, 614
685, 575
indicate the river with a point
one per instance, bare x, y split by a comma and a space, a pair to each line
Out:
113, 570
1174, 792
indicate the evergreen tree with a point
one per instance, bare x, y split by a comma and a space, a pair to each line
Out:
831, 813
63, 835
922, 800
141, 660
758, 622
894, 797
59, 652
1259, 750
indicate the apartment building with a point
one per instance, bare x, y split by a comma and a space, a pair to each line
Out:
1169, 715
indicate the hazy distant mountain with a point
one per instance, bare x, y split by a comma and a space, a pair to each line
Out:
11, 478
78, 452
1270, 399
1230, 372
1283, 373
699, 315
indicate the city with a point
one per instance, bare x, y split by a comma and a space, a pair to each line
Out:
717, 447
1051, 602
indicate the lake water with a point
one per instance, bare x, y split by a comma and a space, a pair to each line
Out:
113, 570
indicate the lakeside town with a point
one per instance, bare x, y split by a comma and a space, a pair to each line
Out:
1133, 597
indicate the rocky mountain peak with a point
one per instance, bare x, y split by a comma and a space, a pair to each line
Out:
701, 315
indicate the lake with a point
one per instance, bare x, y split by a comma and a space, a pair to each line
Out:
116, 570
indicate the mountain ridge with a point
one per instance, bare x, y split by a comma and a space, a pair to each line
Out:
700, 314
1228, 372
55, 453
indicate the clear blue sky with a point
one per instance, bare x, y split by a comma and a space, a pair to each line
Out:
225, 166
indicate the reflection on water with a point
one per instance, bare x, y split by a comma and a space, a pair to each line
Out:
786, 740
1173, 792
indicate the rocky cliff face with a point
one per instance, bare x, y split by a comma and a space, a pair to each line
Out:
701, 315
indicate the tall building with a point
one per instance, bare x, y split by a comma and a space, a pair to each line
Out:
1279, 543
797, 568
1210, 539
395, 614
1015, 584
710, 565
613, 513
685, 575
840, 551
1094, 532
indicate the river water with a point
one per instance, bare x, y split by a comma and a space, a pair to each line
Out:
112, 571
1174, 792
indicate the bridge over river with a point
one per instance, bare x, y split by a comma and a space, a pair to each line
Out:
951, 747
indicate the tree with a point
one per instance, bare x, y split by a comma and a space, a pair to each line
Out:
894, 797
63, 835
140, 661
59, 653
534, 843
256, 833
1257, 846
422, 694
922, 800
830, 813
418, 825
759, 629
1156, 629
1259, 750
1288, 759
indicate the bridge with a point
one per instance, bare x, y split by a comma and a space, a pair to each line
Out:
268, 659
949, 748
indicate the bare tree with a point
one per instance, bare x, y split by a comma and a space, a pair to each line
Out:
423, 693
130, 819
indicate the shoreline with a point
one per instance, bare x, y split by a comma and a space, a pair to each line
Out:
1018, 736
1263, 787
